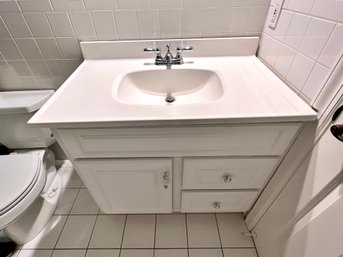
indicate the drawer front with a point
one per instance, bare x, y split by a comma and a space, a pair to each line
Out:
265, 139
227, 173
129, 185
217, 201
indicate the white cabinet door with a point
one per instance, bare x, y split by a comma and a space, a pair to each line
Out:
129, 185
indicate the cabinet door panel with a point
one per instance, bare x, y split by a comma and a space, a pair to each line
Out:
130, 185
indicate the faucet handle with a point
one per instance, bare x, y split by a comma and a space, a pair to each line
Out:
148, 49
186, 48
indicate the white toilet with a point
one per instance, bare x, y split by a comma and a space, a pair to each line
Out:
29, 184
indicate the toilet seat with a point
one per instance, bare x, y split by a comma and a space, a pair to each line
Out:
22, 180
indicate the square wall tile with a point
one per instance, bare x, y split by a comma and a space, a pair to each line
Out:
192, 20
10, 50
104, 25
69, 47
9, 6
300, 70
333, 48
20, 68
328, 9
231, 227
48, 237
133, 4
256, 18
284, 60
165, 4
101, 4
127, 26
315, 37
38, 68
139, 231
238, 18
205, 253
102, 253
303, 6
82, 24
215, 20
171, 231
148, 23
296, 30
4, 33
60, 24
67, 5
202, 231
108, 231
281, 27
28, 48
315, 81
49, 48
16, 24
76, 232
35, 5
170, 22
84, 203
38, 24
57, 68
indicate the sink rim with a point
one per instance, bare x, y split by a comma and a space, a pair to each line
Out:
117, 85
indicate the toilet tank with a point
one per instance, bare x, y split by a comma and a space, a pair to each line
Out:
16, 108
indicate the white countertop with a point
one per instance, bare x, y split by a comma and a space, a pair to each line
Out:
252, 93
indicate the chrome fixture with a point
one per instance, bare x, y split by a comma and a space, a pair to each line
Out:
169, 59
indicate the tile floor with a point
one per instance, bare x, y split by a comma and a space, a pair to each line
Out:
79, 229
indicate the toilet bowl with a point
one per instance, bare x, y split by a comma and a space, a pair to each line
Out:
29, 192
29, 186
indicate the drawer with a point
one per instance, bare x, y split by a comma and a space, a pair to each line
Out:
128, 185
217, 201
227, 173
253, 139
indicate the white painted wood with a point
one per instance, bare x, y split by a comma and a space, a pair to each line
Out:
177, 183
210, 173
229, 201
128, 185
253, 139
318, 171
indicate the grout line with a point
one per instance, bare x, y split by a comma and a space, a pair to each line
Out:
90, 238
220, 239
122, 238
187, 234
155, 235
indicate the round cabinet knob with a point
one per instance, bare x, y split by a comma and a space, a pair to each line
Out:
227, 179
216, 205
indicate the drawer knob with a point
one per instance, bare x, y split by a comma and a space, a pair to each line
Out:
216, 205
227, 179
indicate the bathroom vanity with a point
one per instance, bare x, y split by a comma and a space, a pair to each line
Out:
213, 149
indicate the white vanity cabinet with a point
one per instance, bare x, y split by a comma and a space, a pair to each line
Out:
160, 169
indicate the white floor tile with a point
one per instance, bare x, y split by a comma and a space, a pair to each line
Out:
69, 253
205, 253
231, 227
108, 231
84, 204
136, 253
171, 253
202, 231
171, 231
35, 253
102, 253
240, 253
76, 232
66, 201
48, 237
70, 178
139, 231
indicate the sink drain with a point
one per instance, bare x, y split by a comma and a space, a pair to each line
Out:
170, 99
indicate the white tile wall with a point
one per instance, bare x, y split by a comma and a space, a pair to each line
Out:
54, 28
306, 44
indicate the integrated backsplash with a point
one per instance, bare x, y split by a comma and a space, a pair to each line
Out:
306, 44
39, 39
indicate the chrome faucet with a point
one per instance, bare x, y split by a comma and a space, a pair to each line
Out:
169, 59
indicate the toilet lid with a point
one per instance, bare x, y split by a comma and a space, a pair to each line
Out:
18, 174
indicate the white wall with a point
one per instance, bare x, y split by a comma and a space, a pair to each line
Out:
39, 38
306, 44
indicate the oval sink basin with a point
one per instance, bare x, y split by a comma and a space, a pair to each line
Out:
178, 86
